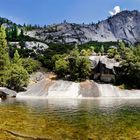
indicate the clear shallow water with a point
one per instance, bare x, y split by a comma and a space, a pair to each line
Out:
101, 119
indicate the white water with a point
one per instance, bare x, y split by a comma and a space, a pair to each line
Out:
65, 89
107, 90
58, 89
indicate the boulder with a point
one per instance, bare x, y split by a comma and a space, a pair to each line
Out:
103, 68
6, 93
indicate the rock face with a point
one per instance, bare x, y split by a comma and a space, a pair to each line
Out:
89, 89
123, 26
6, 93
53, 89
35, 45
103, 68
31, 45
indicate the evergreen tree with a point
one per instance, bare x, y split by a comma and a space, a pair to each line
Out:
17, 60
4, 57
17, 77
21, 34
15, 32
102, 49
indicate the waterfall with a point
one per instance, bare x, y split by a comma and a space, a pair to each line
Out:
65, 89
51, 89
108, 90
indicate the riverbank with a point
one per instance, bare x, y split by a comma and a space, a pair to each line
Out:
46, 85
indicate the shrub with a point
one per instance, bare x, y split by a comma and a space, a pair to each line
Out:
17, 77
30, 65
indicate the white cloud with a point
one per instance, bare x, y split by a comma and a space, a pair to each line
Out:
116, 10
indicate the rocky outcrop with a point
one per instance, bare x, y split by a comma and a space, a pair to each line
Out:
6, 93
31, 45
35, 45
103, 68
122, 26
55, 89
89, 89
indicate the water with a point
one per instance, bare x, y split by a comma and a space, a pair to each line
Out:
71, 119
47, 88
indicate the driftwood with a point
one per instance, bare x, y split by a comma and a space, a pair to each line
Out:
25, 136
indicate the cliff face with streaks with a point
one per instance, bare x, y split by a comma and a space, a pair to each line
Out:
122, 26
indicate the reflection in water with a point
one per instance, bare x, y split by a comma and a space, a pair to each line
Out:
70, 103
72, 119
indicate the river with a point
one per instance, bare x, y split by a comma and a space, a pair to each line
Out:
70, 119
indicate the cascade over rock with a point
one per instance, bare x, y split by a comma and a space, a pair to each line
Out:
47, 88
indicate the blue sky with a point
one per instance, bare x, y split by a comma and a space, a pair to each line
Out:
56, 11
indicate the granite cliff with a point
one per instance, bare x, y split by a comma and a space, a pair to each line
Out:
122, 26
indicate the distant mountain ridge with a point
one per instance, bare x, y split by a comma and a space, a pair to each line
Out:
8, 23
122, 26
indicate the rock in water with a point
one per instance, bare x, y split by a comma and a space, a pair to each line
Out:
65, 89
6, 93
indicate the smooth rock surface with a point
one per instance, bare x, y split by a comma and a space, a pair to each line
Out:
5, 92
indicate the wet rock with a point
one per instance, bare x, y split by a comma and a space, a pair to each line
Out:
6, 93
89, 89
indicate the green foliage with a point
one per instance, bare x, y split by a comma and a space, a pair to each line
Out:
85, 52
4, 58
130, 65
17, 77
50, 55
117, 57
84, 68
29, 27
17, 60
131, 72
102, 49
30, 65
74, 67
12, 75
112, 52
79, 67
96, 46
61, 67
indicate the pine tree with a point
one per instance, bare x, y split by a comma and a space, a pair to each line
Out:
17, 60
21, 33
15, 32
4, 57
102, 49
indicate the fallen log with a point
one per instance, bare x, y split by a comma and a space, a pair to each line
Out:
25, 136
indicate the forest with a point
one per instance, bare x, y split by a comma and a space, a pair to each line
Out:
68, 61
